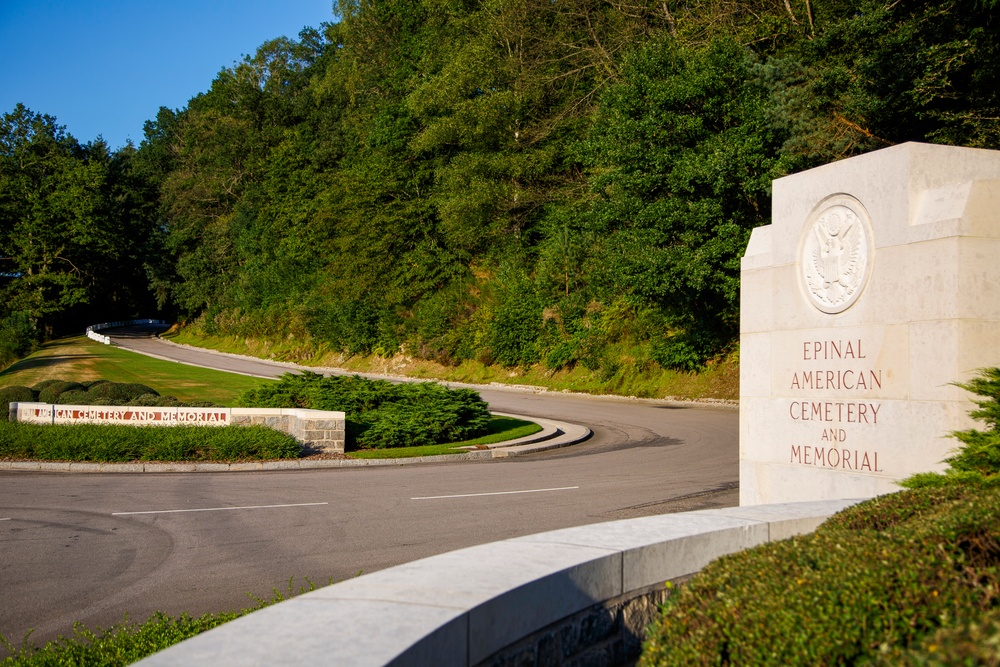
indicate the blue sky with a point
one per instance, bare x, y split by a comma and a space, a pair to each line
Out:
104, 67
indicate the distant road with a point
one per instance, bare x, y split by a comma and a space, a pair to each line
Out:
92, 547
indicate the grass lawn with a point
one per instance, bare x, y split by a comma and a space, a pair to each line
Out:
80, 359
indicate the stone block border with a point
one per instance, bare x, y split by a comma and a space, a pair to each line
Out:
574, 595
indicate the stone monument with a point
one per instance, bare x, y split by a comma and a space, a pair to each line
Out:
876, 287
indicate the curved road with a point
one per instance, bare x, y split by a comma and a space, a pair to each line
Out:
93, 547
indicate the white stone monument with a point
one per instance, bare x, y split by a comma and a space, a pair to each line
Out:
876, 286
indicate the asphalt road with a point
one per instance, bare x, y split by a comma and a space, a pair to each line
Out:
93, 547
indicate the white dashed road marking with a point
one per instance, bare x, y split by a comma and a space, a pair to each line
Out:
218, 509
496, 493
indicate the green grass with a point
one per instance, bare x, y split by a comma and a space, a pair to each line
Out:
633, 376
81, 359
501, 429
127, 642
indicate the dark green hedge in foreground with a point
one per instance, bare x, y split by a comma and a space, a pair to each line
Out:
381, 414
121, 443
904, 579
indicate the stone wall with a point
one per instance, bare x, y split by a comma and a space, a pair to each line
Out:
319, 431
609, 633
874, 289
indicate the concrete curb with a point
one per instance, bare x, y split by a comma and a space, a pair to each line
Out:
468, 606
553, 435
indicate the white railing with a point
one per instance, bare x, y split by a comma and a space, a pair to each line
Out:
100, 338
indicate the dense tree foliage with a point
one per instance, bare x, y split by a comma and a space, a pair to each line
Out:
565, 182
76, 227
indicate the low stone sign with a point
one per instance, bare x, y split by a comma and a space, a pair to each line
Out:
876, 287
321, 430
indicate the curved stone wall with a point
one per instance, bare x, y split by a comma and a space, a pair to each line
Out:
496, 603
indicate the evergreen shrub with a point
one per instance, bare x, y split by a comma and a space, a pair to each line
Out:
978, 457
14, 394
844, 595
50, 392
116, 443
379, 413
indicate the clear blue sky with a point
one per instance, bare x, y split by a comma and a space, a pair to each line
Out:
104, 67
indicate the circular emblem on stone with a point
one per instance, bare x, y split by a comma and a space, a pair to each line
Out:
836, 253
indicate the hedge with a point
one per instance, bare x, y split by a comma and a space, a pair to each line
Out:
381, 414
92, 392
112, 443
911, 578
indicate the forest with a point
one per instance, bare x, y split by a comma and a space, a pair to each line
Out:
518, 182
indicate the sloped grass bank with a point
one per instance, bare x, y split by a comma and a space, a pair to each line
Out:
630, 375
84, 360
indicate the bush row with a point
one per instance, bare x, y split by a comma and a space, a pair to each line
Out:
381, 414
113, 443
860, 590
94, 392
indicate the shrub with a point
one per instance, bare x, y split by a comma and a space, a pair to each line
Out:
74, 397
978, 458
380, 413
156, 401
121, 443
45, 383
50, 393
118, 393
841, 596
14, 394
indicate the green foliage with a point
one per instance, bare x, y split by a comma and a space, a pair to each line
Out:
857, 591
14, 394
128, 642
480, 181
18, 337
75, 227
50, 392
114, 443
381, 414
98, 392
121, 644
978, 457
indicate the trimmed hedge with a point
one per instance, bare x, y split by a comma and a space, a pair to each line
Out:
111, 443
92, 392
860, 590
381, 414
